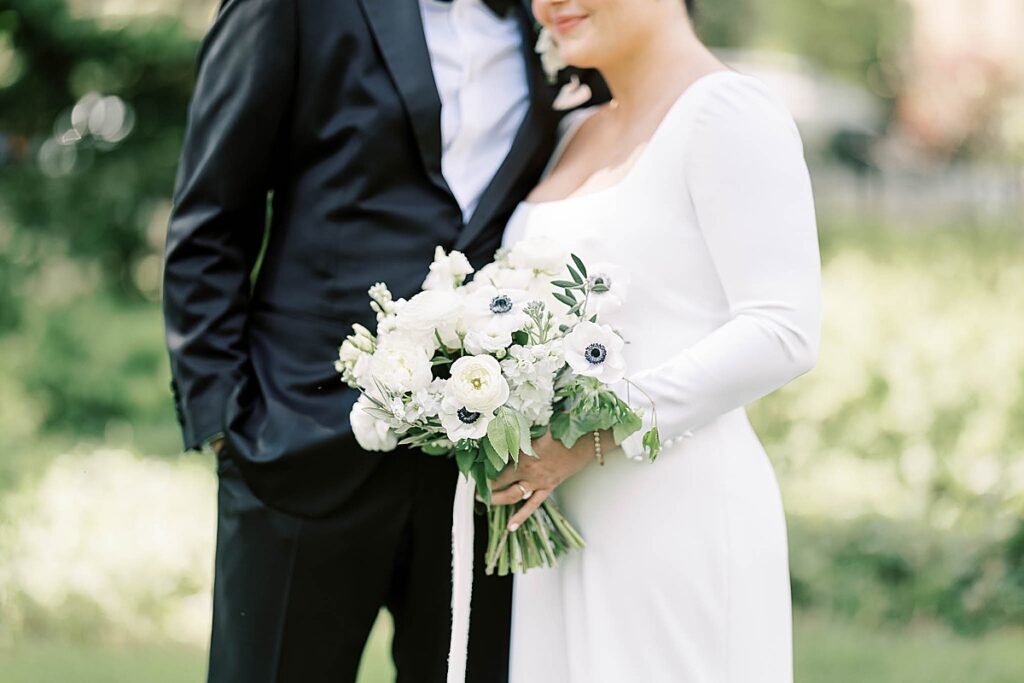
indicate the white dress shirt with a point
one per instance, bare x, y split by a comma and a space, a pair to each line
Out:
480, 74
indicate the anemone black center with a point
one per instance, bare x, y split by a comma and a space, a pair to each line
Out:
595, 353
468, 416
501, 304
601, 279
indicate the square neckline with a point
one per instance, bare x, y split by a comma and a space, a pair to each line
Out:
563, 144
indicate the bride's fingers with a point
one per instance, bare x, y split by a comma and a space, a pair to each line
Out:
509, 495
529, 507
508, 476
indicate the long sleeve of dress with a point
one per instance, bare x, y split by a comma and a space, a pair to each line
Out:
750, 191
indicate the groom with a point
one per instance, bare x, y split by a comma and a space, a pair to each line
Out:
371, 131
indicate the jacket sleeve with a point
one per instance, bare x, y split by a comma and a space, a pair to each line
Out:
751, 194
245, 73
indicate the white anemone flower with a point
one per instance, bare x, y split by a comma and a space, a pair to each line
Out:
460, 422
595, 351
495, 308
477, 384
372, 433
613, 277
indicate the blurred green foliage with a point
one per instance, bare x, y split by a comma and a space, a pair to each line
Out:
899, 456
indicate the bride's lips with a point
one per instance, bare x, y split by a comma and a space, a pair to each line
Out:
567, 23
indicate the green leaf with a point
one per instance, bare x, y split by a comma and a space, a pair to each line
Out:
524, 438
538, 431
483, 484
521, 338
575, 276
566, 284
565, 300
464, 459
496, 438
510, 420
503, 433
579, 264
629, 423
593, 318
492, 456
652, 443
600, 289
559, 425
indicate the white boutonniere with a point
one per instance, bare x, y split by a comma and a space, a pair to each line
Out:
574, 93
550, 57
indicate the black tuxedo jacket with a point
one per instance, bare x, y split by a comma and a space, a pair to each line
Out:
329, 108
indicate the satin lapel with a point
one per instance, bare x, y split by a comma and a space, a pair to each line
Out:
533, 134
398, 29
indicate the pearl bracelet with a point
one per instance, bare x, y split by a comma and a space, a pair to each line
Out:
598, 455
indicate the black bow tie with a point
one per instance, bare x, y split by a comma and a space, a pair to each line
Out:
499, 7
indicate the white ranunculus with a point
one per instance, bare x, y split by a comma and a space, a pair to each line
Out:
617, 281
595, 351
539, 254
400, 367
477, 384
436, 309
487, 340
447, 271
372, 433
460, 422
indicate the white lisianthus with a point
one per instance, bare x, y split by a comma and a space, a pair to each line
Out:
616, 280
436, 309
447, 271
372, 433
400, 367
460, 422
538, 254
594, 350
477, 384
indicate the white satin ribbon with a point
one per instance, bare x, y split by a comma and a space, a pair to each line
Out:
462, 578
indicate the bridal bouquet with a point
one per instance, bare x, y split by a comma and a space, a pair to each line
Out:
476, 370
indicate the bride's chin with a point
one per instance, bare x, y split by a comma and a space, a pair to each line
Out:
580, 58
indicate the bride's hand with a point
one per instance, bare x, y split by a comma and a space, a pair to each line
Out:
535, 478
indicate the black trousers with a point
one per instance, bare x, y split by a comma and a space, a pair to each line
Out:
295, 598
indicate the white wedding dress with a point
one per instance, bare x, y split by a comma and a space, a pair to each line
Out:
685, 575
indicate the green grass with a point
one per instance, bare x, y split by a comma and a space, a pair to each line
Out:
827, 651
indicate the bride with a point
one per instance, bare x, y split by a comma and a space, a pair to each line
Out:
691, 181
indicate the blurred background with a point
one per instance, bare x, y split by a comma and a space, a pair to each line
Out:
900, 455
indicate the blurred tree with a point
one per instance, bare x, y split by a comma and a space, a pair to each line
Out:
863, 41
74, 195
